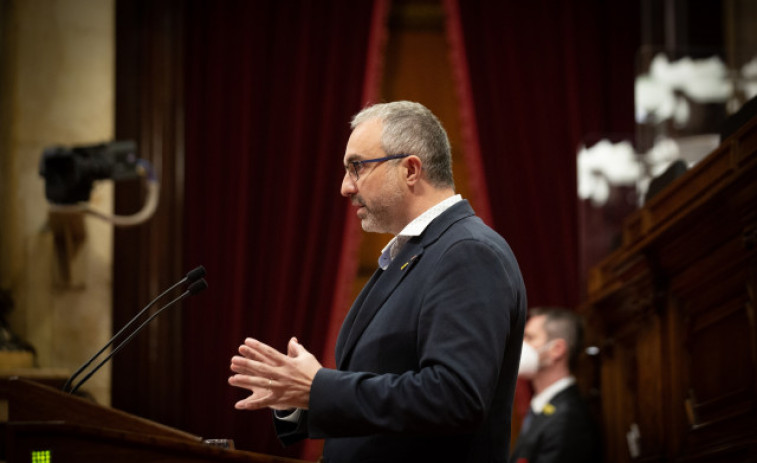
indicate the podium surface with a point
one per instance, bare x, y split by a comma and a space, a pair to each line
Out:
48, 426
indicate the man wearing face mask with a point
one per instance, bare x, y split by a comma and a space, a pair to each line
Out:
558, 426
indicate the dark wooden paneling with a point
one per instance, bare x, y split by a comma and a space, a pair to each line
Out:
673, 311
148, 257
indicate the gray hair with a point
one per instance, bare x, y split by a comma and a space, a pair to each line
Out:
561, 323
410, 128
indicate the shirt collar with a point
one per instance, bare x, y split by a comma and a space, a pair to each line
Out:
542, 399
414, 228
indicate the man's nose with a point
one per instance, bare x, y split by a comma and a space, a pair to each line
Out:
348, 186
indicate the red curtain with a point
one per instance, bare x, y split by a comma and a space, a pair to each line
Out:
536, 79
271, 86
544, 75
348, 265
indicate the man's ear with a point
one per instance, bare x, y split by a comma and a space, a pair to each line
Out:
559, 348
413, 169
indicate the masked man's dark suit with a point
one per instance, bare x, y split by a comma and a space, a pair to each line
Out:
428, 355
564, 432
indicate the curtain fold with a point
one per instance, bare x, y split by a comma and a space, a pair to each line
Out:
348, 265
469, 126
270, 89
535, 80
544, 75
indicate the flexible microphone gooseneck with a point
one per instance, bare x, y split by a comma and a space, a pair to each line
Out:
191, 277
193, 289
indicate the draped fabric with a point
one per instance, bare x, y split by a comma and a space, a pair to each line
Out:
270, 88
536, 79
348, 265
544, 76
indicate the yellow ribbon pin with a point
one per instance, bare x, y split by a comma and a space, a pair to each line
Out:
408, 262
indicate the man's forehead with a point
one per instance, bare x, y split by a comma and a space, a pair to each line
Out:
367, 132
364, 141
536, 322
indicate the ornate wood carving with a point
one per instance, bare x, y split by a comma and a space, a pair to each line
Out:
673, 312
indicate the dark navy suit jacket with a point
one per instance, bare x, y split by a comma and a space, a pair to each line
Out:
428, 355
565, 433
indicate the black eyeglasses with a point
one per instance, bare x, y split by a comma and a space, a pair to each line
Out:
357, 166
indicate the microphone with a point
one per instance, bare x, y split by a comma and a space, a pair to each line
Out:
193, 289
191, 277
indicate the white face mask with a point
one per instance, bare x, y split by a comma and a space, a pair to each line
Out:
529, 360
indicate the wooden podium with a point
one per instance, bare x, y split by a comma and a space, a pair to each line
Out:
673, 312
48, 426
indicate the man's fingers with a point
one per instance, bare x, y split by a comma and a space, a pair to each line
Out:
253, 383
261, 394
253, 402
277, 380
264, 352
264, 393
246, 366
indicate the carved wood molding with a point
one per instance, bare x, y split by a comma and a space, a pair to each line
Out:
674, 315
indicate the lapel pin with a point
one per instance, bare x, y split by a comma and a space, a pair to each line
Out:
408, 262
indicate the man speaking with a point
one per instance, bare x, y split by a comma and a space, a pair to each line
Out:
427, 357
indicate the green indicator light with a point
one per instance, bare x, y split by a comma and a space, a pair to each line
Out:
42, 456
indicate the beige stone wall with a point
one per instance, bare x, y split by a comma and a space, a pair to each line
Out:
57, 88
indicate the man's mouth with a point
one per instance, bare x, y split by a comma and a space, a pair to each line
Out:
361, 209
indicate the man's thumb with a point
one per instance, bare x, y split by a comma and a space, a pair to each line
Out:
294, 347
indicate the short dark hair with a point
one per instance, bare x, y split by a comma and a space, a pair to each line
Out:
562, 323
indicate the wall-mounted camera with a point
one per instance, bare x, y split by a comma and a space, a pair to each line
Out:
70, 172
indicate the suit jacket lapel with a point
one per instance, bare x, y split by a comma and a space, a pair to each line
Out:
363, 311
349, 320
377, 292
